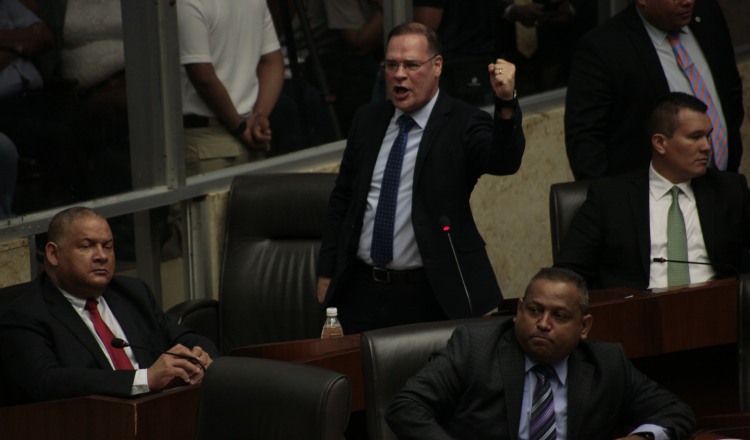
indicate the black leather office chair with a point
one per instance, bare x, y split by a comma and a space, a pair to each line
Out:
268, 283
743, 340
564, 200
264, 399
8, 294
390, 356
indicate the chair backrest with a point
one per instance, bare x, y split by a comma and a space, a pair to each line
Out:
390, 356
268, 280
564, 200
265, 399
743, 340
9, 294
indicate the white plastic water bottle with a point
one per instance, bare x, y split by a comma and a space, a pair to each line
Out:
332, 327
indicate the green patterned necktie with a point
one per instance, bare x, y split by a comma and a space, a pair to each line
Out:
678, 274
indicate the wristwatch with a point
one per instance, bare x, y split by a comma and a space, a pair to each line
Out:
240, 130
510, 103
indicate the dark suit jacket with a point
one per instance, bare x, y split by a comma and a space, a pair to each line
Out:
609, 241
474, 390
47, 352
615, 80
460, 143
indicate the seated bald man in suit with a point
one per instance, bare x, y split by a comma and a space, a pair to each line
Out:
56, 338
536, 377
619, 237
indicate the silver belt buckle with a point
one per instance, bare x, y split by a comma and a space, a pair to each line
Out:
381, 275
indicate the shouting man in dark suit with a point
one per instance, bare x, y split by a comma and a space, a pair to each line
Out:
385, 259
537, 378
56, 338
623, 230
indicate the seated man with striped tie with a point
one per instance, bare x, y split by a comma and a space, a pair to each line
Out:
56, 337
535, 378
670, 224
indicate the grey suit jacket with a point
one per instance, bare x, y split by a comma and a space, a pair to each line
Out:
474, 390
47, 352
609, 240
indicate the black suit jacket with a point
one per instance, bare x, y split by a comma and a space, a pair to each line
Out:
615, 80
609, 241
47, 351
460, 143
474, 390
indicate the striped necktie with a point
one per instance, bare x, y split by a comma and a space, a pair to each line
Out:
700, 90
542, 424
385, 214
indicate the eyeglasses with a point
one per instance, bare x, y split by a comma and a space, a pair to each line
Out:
413, 66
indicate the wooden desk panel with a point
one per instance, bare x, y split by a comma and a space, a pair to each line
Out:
167, 415
338, 354
666, 321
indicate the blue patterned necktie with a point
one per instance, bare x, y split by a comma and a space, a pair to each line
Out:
542, 424
385, 214
678, 274
700, 90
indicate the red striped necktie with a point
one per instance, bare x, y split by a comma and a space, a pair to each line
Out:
700, 90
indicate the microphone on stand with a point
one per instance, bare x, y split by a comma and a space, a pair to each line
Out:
121, 343
733, 269
445, 223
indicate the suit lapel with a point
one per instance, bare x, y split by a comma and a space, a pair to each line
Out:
123, 311
638, 196
438, 118
705, 202
701, 31
645, 51
60, 308
580, 385
513, 374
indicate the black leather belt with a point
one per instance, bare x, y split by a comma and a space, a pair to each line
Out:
381, 275
195, 121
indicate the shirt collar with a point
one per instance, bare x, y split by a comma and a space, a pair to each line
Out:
423, 114
658, 36
561, 368
79, 304
660, 187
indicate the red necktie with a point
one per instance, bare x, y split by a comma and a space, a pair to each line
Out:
119, 358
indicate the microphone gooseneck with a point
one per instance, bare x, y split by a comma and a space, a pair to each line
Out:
445, 224
732, 269
121, 343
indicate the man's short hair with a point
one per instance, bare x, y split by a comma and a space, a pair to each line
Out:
566, 276
414, 28
663, 116
62, 220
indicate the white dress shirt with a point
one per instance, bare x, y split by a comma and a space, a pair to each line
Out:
659, 203
140, 383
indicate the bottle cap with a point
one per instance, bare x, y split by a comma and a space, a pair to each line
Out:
332, 311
